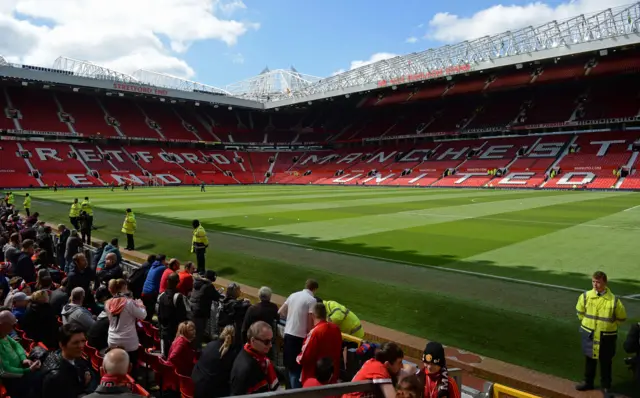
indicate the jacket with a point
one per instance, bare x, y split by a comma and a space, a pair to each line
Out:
123, 314
203, 295
109, 249
165, 279
58, 299
233, 312
115, 391
86, 207
137, 278
61, 378
98, 335
129, 225
185, 286
199, 241
73, 246
45, 242
75, 210
324, 340
106, 274
11, 357
348, 322
25, 268
152, 283
82, 278
40, 323
600, 316
27, 202
263, 311
62, 243
211, 373
632, 346
171, 311
182, 356
73, 313
11, 254
247, 377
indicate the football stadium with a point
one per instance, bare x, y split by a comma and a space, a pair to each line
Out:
464, 195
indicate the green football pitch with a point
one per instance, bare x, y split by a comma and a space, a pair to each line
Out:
494, 272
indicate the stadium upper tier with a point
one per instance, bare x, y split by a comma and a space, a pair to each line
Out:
591, 160
580, 91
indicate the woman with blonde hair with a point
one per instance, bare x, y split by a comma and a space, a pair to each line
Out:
181, 354
212, 373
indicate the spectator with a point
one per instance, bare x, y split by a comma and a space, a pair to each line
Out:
172, 267
15, 369
252, 371
323, 375
74, 313
435, 377
410, 387
74, 213
82, 276
102, 295
212, 372
139, 275
151, 287
297, 310
201, 300
234, 309
64, 375
111, 270
3, 242
45, 242
44, 281
324, 340
171, 312
185, 286
74, 246
265, 311
40, 323
123, 313
11, 251
348, 322
85, 227
59, 297
182, 355
29, 232
98, 334
97, 256
15, 285
129, 227
24, 265
20, 303
382, 369
4, 282
632, 346
110, 248
61, 246
114, 381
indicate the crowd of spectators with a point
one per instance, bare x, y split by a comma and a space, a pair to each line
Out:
66, 305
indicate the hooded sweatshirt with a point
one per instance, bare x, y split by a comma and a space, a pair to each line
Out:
152, 283
123, 314
74, 313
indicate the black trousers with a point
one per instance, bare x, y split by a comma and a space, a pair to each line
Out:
200, 260
74, 222
130, 244
606, 354
28, 211
20, 387
149, 301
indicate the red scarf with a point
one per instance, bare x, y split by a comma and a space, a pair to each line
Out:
436, 385
271, 377
116, 381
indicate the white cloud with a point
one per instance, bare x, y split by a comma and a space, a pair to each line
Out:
121, 34
236, 58
411, 39
374, 58
451, 28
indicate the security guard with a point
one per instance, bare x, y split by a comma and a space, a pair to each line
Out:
27, 204
199, 244
600, 312
74, 213
129, 227
340, 315
86, 207
11, 200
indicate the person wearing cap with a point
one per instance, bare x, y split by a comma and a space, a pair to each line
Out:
129, 227
20, 303
199, 244
434, 374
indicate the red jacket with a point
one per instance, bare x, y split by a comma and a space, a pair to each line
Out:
182, 356
163, 279
185, 286
324, 340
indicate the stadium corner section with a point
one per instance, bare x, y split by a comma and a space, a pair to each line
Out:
514, 329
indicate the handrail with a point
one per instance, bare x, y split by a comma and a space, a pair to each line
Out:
495, 391
323, 391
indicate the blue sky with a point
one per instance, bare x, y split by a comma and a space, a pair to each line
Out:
319, 38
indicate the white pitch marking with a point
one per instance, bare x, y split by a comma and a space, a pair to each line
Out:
631, 208
632, 296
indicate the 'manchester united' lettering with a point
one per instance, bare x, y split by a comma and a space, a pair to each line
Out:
451, 70
136, 88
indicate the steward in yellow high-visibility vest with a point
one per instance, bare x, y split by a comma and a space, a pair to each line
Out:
27, 204
340, 315
74, 213
129, 227
11, 200
600, 313
199, 244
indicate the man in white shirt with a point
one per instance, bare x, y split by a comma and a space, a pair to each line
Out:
298, 311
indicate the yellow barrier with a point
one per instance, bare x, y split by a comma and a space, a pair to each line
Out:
510, 392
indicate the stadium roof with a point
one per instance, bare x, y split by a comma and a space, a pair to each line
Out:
272, 83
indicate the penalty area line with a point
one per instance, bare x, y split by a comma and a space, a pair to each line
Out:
631, 208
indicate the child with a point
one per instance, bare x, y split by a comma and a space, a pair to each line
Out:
410, 387
437, 383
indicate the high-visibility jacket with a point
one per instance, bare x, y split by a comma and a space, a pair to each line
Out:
11, 200
348, 322
86, 207
129, 225
75, 210
199, 240
27, 202
600, 316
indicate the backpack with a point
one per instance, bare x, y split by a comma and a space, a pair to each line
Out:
176, 296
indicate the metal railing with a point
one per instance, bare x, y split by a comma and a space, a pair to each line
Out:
367, 387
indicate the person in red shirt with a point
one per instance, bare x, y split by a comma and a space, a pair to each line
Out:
324, 340
382, 370
185, 286
181, 354
323, 375
436, 379
172, 266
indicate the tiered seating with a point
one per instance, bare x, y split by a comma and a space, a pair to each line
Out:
249, 136
132, 121
624, 103
225, 161
553, 104
89, 119
53, 161
5, 122
14, 171
170, 124
39, 110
